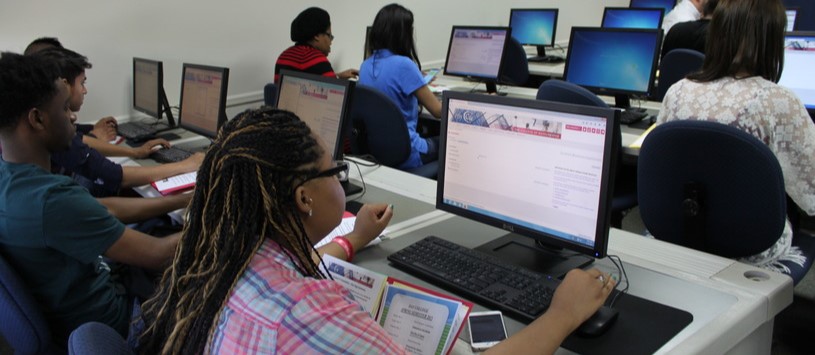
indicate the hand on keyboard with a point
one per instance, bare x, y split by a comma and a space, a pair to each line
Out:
149, 147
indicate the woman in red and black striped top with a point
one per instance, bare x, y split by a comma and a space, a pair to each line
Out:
311, 32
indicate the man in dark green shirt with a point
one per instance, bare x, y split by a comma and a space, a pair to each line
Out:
52, 232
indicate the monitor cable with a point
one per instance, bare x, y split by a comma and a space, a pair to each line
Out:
623, 278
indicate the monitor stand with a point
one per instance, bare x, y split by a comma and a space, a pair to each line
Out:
492, 89
527, 253
629, 115
543, 58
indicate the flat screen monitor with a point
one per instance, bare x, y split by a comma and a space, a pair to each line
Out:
476, 52
799, 54
666, 5
322, 103
540, 170
148, 89
792, 14
628, 17
613, 61
203, 99
534, 27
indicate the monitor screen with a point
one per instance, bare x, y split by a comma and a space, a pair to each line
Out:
203, 99
799, 54
626, 17
613, 60
792, 13
476, 52
667, 5
539, 169
533, 27
321, 102
148, 89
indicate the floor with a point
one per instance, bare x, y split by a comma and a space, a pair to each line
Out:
793, 326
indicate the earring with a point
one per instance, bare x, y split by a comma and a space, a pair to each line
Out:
310, 213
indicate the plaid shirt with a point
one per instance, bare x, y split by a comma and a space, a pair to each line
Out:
274, 309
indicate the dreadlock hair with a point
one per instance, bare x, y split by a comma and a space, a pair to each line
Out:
71, 63
244, 194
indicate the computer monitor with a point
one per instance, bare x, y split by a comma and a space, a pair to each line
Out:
629, 17
540, 170
799, 54
534, 27
613, 61
476, 52
666, 5
792, 14
203, 99
323, 104
148, 89
367, 46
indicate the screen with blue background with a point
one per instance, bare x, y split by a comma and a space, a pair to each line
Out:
534, 27
616, 60
632, 18
668, 5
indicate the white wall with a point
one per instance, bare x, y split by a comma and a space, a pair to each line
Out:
243, 35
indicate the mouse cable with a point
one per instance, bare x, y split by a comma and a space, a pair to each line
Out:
361, 179
624, 277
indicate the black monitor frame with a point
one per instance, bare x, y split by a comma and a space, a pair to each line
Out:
797, 12
367, 46
634, 3
632, 9
811, 111
622, 97
163, 107
546, 247
541, 47
346, 127
221, 100
489, 81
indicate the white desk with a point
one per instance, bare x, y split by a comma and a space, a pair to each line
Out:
732, 313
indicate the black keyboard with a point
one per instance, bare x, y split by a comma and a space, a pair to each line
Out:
170, 155
136, 131
478, 277
632, 116
546, 59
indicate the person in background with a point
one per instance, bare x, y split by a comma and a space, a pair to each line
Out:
312, 37
53, 232
737, 87
393, 68
101, 176
691, 34
246, 276
687, 10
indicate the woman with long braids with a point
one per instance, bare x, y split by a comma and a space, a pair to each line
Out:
245, 276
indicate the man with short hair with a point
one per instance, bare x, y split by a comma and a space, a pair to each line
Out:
687, 10
52, 231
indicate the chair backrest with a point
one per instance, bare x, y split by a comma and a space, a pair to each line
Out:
515, 67
97, 338
711, 187
563, 91
21, 321
269, 93
379, 128
675, 65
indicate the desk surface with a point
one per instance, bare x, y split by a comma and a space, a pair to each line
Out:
729, 308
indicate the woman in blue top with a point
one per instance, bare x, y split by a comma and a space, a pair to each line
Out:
393, 68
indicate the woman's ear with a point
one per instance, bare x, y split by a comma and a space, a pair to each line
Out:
301, 199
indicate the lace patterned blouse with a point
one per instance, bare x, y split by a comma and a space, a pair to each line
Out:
774, 115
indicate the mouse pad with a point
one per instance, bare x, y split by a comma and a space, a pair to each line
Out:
642, 327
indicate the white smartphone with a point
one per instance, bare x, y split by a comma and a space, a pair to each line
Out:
486, 329
430, 75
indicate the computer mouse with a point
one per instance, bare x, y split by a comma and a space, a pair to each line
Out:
157, 147
598, 323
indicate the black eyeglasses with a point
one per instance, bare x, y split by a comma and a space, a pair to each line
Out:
340, 171
330, 36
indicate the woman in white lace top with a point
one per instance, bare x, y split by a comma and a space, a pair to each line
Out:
737, 86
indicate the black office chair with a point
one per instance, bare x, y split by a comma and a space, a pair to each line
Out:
675, 65
269, 93
624, 193
381, 131
515, 67
97, 338
715, 188
21, 321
